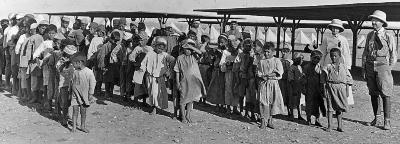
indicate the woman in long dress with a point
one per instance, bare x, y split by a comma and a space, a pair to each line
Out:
337, 41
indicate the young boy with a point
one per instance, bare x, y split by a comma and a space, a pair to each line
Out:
189, 81
314, 100
155, 67
295, 75
246, 78
65, 70
283, 83
270, 70
83, 84
335, 77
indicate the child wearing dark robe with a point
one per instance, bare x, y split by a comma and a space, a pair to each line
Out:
296, 85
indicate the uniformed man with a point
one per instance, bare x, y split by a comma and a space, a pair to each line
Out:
64, 29
378, 58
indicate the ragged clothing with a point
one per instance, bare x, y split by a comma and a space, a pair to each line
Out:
336, 79
296, 85
83, 84
313, 93
192, 86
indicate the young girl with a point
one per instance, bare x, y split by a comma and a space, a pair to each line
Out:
313, 94
189, 81
295, 75
83, 84
283, 83
217, 83
271, 102
335, 78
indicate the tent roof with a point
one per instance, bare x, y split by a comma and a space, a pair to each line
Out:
356, 11
135, 14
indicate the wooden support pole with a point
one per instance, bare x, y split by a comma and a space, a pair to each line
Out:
322, 34
91, 19
293, 30
256, 32
278, 21
265, 34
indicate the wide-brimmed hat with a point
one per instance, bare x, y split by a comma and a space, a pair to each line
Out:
12, 15
189, 44
337, 23
20, 16
66, 19
223, 35
34, 26
380, 15
70, 49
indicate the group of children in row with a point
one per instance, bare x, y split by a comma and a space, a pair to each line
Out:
56, 68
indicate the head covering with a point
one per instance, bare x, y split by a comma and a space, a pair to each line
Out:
4, 20
12, 15
297, 55
93, 25
34, 26
197, 22
223, 35
101, 28
188, 46
116, 21
85, 21
59, 36
234, 22
20, 15
315, 53
190, 41
141, 26
30, 16
44, 22
380, 15
70, 49
337, 23
78, 57
161, 40
66, 19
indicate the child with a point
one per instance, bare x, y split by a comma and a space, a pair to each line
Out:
65, 70
295, 75
83, 84
246, 78
189, 81
154, 65
335, 77
314, 100
271, 102
283, 83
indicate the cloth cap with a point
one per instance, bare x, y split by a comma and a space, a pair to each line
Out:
380, 15
93, 25
20, 15
30, 16
234, 22
12, 15
44, 22
59, 36
197, 21
78, 57
316, 53
337, 23
297, 55
84, 21
161, 40
70, 49
34, 26
188, 46
190, 41
66, 19
224, 36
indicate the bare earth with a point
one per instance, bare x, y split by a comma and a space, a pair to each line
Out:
117, 121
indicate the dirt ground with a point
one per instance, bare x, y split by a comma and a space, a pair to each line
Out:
116, 121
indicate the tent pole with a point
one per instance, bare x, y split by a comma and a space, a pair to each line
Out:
293, 29
91, 19
49, 18
255, 35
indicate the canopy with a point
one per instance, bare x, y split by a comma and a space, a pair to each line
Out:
302, 39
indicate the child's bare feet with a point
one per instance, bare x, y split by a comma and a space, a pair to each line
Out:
73, 130
84, 130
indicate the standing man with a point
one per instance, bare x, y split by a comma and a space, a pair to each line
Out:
378, 58
64, 29
234, 31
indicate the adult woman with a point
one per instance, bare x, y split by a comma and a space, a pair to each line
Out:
337, 41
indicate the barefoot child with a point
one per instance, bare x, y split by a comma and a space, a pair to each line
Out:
295, 75
271, 102
314, 99
335, 78
246, 75
189, 81
66, 70
83, 84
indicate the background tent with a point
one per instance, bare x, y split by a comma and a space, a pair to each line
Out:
302, 39
214, 33
270, 36
361, 41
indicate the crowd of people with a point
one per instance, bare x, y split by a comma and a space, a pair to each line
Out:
62, 67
